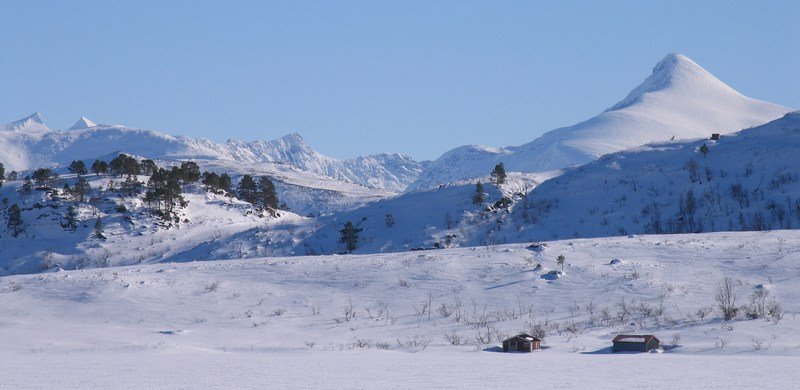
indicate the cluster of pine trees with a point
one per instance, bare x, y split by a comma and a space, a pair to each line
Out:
163, 192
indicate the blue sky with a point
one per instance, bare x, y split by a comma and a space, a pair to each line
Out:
365, 77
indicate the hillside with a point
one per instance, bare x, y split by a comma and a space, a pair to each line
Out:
748, 180
377, 311
679, 100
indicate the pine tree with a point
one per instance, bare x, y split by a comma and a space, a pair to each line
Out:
2, 174
225, 182
27, 186
248, 190
479, 196
268, 198
350, 236
704, 150
499, 174
190, 172
148, 167
99, 167
78, 167
389, 220
98, 229
80, 189
72, 219
13, 176
14, 220
210, 179
45, 177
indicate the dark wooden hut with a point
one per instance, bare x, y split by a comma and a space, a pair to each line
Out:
715, 136
635, 343
522, 343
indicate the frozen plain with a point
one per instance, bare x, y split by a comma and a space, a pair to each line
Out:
283, 322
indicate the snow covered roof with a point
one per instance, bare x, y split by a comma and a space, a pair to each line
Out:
523, 336
629, 338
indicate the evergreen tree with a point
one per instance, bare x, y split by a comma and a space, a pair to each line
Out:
72, 219
78, 167
479, 195
44, 177
268, 198
27, 186
248, 190
190, 172
98, 229
2, 174
163, 193
124, 165
225, 182
704, 150
350, 236
80, 189
14, 220
99, 167
211, 179
147, 167
13, 175
389, 220
499, 174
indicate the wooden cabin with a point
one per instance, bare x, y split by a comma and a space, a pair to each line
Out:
635, 343
715, 136
522, 343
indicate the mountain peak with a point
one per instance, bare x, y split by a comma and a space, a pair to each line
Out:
677, 72
83, 123
31, 122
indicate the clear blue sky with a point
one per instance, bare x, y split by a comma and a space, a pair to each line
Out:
364, 77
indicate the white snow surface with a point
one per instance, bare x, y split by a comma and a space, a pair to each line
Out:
679, 100
283, 322
83, 123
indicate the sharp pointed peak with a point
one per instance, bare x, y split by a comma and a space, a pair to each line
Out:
31, 122
36, 117
676, 71
83, 123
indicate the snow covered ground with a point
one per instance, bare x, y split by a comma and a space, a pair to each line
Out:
388, 320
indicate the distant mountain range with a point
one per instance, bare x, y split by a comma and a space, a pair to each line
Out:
29, 143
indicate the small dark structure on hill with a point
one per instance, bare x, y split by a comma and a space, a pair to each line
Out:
522, 343
715, 136
635, 343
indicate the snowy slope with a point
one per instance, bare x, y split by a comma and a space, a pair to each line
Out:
284, 322
748, 180
28, 144
679, 99
440, 218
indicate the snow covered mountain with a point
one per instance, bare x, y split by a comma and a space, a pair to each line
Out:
679, 100
28, 143
749, 180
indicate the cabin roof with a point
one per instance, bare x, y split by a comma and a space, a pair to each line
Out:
634, 338
524, 337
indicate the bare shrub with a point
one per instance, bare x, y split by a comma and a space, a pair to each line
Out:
415, 342
775, 310
703, 312
279, 312
757, 308
720, 344
726, 297
314, 309
212, 287
453, 338
382, 345
402, 282
444, 310
349, 311
310, 344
